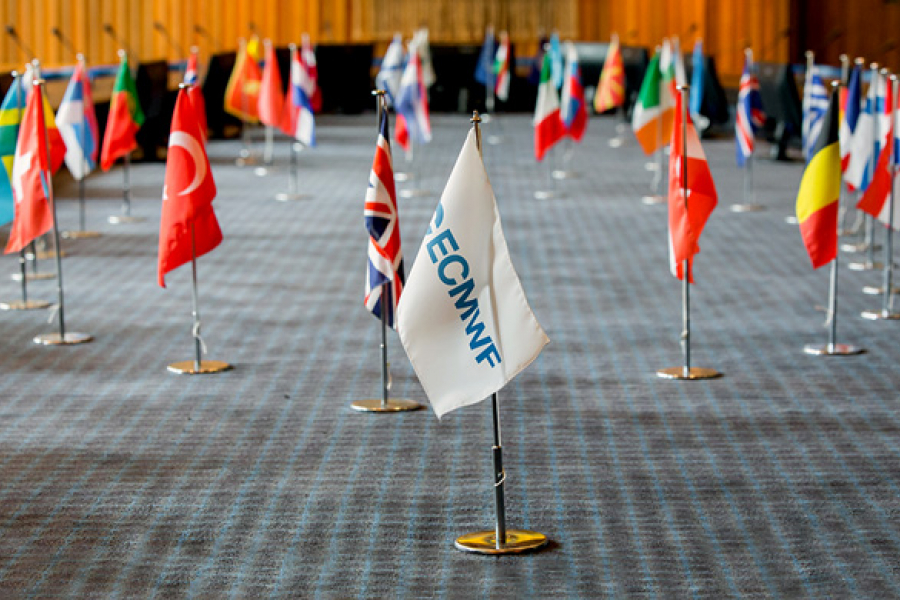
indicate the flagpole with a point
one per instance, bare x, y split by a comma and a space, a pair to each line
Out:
886, 311
833, 348
63, 338
749, 204
198, 366
686, 372
246, 158
501, 540
385, 404
126, 216
656, 196
869, 263
845, 78
860, 215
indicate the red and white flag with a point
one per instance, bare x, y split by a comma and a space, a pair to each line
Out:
188, 227
31, 184
548, 125
688, 212
195, 93
271, 94
311, 81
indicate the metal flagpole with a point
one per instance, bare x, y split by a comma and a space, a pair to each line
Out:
413, 174
198, 366
385, 404
686, 371
82, 231
126, 216
845, 78
869, 263
268, 154
860, 215
63, 338
246, 158
656, 196
501, 540
887, 288
833, 348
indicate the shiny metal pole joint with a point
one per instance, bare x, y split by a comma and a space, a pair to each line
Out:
126, 216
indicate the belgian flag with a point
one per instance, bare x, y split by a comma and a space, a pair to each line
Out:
817, 200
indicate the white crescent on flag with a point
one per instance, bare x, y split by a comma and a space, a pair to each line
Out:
192, 147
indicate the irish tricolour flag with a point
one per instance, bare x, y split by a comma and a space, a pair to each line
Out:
654, 110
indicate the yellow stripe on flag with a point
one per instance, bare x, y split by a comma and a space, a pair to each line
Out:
10, 116
821, 183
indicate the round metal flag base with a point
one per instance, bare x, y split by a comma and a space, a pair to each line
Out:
562, 174
791, 220
246, 161
692, 374
70, 339
616, 142
651, 166
414, 193
188, 367
265, 170
401, 176
29, 305
880, 315
832, 349
378, 405
485, 542
865, 266
33, 276
651, 200
547, 194
79, 235
122, 219
871, 290
859, 247
291, 196
744, 208
494, 140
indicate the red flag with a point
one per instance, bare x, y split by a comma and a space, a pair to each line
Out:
188, 221
242, 92
271, 94
687, 214
31, 177
874, 199
312, 89
192, 78
401, 132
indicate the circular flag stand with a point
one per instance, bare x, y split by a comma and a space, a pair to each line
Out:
552, 191
126, 216
501, 540
385, 404
82, 232
32, 256
412, 175
749, 204
198, 366
24, 303
62, 337
686, 372
562, 171
621, 129
268, 165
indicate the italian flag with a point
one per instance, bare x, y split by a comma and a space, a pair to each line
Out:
125, 118
548, 126
655, 107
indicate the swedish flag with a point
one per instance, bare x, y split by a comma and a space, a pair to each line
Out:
10, 118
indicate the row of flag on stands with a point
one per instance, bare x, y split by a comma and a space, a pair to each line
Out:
256, 95
556, 118
405, 76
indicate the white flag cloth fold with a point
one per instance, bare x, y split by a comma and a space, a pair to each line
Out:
463, 318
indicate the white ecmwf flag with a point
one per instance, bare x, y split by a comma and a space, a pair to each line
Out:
463, 318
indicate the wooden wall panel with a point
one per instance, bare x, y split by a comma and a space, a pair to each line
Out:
725, 25
866, 28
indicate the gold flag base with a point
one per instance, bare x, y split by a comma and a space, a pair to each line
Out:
880, 315
70, 339
693, 373
745, 208
871, 290
865, 266
33, 276
832, 349
29, 305
189, 367
378, 405
123, 219
79, 235
45, 255
653, 199
517, 541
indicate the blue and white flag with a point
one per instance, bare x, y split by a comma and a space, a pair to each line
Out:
464, 320
412, 98
388, 78
815, 96
484, 69
77, 125
749, 115
863, 151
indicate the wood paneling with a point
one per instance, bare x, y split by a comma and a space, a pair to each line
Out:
865, 28
725, 25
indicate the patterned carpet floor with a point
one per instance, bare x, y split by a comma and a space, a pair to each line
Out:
119, 479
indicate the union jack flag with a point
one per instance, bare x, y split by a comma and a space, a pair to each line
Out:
190, 72
385, 272
750, 115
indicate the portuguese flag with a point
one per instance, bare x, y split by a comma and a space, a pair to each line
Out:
125, 118
817, 200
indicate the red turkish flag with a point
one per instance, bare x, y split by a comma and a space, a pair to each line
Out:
31, 182
188, 227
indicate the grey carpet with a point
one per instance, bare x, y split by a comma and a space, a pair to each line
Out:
118, 479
